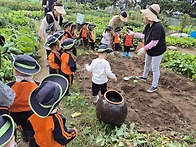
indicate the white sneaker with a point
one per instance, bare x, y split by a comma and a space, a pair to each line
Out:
95, 98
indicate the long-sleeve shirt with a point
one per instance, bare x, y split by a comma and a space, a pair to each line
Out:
51, 131
100, 69
106, 38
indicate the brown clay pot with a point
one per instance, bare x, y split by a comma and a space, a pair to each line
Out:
111, 108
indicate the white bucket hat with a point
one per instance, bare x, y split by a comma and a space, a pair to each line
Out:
60, 9
123, 16
152, 12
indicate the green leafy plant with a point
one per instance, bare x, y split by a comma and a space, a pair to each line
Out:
182, 63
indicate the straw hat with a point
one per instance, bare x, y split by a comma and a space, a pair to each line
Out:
60, 9
123, 16
152, 12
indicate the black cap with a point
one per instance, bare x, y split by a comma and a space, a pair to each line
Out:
66, 24
68, 43
51, 40
118, 29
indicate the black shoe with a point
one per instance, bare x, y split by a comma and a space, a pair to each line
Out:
141, 78
152, 89
24, 136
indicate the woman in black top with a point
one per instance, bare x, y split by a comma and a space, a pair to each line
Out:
54, 16
155, 45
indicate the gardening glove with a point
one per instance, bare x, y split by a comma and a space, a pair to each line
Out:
140, 51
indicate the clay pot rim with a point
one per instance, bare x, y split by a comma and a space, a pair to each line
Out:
111, 101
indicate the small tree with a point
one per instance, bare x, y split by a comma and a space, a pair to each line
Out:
184, 21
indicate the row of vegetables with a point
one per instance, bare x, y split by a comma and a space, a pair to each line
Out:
19, 29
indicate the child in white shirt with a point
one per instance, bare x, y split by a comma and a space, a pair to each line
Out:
100, 69
107, 37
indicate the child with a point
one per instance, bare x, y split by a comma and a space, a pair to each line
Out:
107, 36
7, 96
116, 38
100, 69
91, 35
24, 68
67, 28
55, 56
7, 131
60, 35
68, 63
48, 124
73, 28
50, 30
127, 42
83, 34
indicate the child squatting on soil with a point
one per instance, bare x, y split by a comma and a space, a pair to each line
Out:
51, 130
100, 69
25, 67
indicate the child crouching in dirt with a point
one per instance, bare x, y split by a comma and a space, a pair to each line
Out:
100, 69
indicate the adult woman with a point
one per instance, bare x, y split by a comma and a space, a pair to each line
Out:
117, 20
54, 16
155, 45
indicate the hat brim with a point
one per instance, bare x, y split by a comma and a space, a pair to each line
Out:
7, 95
24, 70
40, 110
105, 50
151, 16
84, 23
34, 104
5, 138
60, 9
124, 19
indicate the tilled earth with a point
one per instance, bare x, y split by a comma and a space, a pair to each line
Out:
171, 108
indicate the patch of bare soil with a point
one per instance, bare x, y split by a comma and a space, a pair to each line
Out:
172, 107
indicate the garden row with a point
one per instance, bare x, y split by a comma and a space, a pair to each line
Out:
18, 28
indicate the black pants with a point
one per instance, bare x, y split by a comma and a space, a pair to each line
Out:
54, 71
97, 87
92, 45
116, 46
84, 42
127, 48
69, 78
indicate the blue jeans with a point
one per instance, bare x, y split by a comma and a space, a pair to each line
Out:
155, 62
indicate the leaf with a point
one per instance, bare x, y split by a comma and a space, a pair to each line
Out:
185, 144
86, 130
132, 125
119, 132
81, 100
121, 144
100, 140
76, 114
189, 139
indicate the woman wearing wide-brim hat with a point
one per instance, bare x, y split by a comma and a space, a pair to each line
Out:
117, 20
54, 16
155, 45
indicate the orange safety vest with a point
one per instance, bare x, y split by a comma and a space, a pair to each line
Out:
65, 68
84, 33
21, 101
44, 127
128, 40
52, 62
116, 39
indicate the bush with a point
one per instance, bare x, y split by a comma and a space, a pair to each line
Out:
182, 63
18, 5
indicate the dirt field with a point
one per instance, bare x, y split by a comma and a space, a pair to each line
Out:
172, 107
